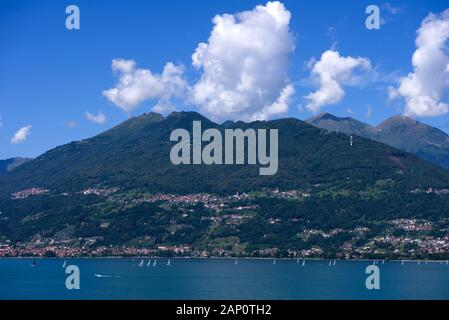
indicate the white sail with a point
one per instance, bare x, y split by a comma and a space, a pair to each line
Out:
168, 262
149, 263
303, 262
64, 264
274, 261
335, 261
154, 263
141, 263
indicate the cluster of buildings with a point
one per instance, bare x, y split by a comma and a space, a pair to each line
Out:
28, 193
412, 224
402, 246
101, 192
431, 190
310, 232
217, 203
291, 194
212, 202
7, 250
423, 245
40, 251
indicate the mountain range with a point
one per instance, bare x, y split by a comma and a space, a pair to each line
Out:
401, 132
135, 154
120, 188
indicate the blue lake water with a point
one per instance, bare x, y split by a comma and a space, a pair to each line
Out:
220, 279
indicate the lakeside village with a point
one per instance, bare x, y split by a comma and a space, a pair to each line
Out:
404, 238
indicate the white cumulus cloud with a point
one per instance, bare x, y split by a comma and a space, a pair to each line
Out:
280, 106
244, 65
136, 85
423, 88
98, 118
21, 135
330, 74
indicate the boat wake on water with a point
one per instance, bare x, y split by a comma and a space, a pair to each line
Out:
105, 276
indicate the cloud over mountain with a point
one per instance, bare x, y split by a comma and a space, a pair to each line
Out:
330, 74
423, 88
136, 85
244, 65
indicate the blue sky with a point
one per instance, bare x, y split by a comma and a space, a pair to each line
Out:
50, 76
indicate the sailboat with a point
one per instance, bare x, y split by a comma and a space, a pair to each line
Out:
274, 261
33, 264
149, 263
419, 262
64, 264
297, 260
335, 261
154, 263
168, 262
303, 262
383, 261
236, 261
402, 263
141, 263
330, 263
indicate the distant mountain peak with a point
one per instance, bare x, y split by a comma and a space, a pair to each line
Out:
340, 124
324, 116
227, 123
187, 115
153, 115
398, 119
399, 131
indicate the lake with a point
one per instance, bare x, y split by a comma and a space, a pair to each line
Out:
120, 278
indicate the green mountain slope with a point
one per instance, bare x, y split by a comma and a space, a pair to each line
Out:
415, 137
136, 154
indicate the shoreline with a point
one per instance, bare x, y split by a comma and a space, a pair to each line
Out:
231, 258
